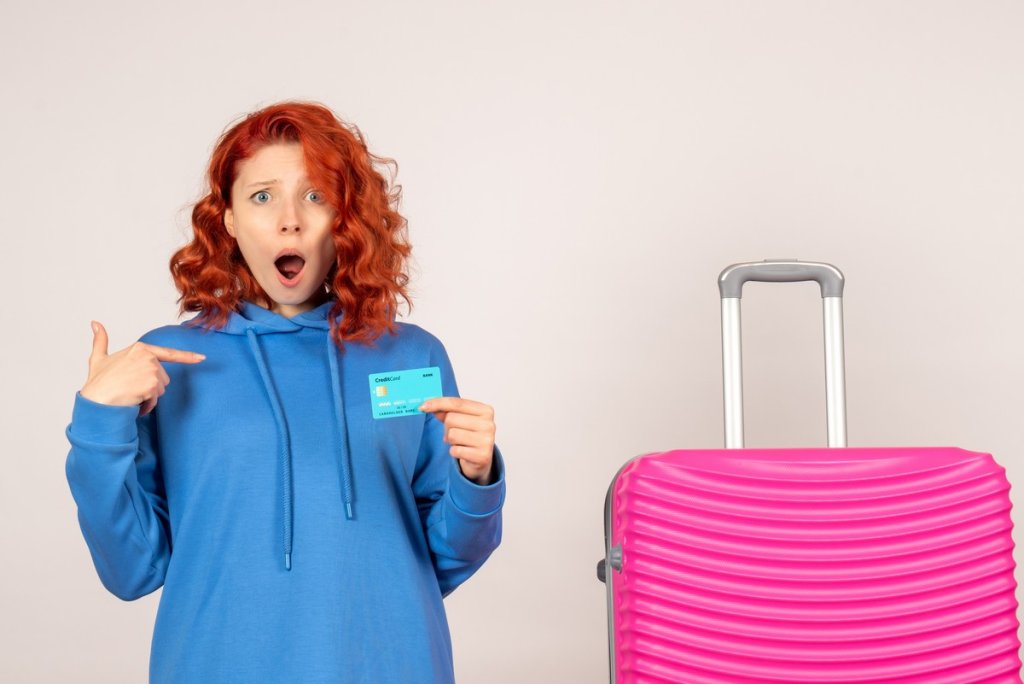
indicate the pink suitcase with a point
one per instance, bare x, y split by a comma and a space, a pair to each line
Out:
808, 565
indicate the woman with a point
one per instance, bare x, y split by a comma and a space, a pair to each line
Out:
262, 460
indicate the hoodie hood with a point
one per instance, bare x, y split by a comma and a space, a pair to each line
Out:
252, 321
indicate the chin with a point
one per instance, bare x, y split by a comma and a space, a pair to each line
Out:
294, 296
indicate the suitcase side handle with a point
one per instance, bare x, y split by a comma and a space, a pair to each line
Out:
730, 286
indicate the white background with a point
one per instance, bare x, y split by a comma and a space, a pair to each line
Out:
575, 176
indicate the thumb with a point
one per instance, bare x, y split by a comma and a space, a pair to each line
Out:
99, 342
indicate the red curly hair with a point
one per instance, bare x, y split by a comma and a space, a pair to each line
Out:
369, 233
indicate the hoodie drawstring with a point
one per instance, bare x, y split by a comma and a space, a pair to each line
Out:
285, 438
339, 416
285, 444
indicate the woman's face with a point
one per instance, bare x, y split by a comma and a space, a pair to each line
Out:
275, 210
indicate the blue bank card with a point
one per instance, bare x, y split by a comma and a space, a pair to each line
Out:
399, 393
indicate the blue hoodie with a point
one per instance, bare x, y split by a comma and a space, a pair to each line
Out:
296, 537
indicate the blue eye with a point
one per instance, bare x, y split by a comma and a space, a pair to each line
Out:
315, 196
261, 197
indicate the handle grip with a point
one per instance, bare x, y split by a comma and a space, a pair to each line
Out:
828, 277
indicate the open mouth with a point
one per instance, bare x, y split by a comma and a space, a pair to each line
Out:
290, 265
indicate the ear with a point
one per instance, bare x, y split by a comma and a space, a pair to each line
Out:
229, 222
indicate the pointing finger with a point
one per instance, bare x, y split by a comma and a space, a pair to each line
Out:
171, 354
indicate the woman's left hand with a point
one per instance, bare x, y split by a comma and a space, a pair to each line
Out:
469, 429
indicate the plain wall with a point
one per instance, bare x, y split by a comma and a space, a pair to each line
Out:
575, 176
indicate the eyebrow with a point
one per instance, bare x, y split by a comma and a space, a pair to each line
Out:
272, 181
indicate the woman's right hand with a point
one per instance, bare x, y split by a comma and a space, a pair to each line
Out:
131, 376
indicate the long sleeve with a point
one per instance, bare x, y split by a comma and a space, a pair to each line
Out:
462, 519
115, 480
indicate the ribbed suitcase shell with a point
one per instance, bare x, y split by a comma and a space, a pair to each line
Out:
812, 565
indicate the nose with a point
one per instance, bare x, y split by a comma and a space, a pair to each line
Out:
289, 219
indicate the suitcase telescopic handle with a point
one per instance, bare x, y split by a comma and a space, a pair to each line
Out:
730, 286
